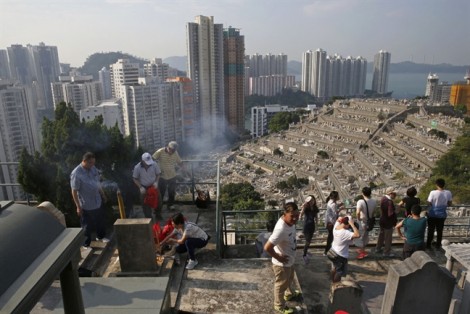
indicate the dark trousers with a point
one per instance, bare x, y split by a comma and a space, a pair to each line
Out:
93, 220
435, 224
329, 240
409, 249
308, 239
190, 245
170, 184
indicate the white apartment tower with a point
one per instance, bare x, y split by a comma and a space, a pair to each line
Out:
123, 72
431, 85
18, 130
110, 110
156, 68
104, 77
152, 112
380, 72
78, 90
206, 70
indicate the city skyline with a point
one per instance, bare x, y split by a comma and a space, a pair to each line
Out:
421, 31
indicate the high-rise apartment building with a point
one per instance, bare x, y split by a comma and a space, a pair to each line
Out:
109, 110
123, 72
152, 112
381, 72
234, 79
4, 67
270, 85
328, 76
460, 93
156, 68
78, 90
18, 131
190, 126
206, 70
431, 85
260, 117
104, 76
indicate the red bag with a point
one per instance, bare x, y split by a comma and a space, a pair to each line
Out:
151, 197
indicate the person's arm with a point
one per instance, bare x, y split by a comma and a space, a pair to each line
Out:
355, 230
398, 227
358, 210
77, 202
269, 248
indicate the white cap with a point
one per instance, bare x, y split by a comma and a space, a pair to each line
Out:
147, 159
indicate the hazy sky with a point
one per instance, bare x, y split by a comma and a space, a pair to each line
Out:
423, 31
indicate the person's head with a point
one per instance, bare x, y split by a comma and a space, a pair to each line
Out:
345, 221
178, 219
416, 209
147, 159
334, 195
411, 192
440, 183
390, 191
366, 191
291, 213
88, 160
172, 147
311, 200
270, 225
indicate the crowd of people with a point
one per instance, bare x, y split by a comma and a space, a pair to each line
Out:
344, 230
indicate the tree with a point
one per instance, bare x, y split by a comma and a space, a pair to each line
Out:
462, 108
281, 120
237, 196
46, 174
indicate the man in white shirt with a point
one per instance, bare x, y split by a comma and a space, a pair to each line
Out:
145, 175
281, 247
439, 199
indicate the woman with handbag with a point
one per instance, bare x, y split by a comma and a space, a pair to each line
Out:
365, 213
344, 232
333, 207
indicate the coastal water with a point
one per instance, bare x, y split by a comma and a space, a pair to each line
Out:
410, 85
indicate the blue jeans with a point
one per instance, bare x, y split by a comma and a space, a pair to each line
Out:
91, 220
190, 245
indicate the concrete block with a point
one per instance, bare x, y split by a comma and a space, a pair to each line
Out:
346, 296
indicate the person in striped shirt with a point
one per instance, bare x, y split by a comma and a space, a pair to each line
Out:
169, 161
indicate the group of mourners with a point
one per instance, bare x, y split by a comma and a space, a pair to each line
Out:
344, 230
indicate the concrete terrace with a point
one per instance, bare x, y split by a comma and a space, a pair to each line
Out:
238, 284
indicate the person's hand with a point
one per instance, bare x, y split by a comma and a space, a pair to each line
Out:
283, 259
142, 190
155, 185
79, 211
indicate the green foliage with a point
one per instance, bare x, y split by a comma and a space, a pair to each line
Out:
323, 154
438, 133
97, 61
287, 97
411, 125
462, 108
280, 121
454, 168
272, 203
278, 152
238, 196
65, 140
259, 171
282, 185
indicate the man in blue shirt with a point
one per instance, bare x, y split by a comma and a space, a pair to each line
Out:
88, 195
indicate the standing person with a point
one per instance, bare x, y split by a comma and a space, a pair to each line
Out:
333, 207
88, 196
439, 199
263, 237
145, 175
409, 200
342, 238
364, 211
388, 220
309, 214
415, 226
168, 159
189, 237
281, 247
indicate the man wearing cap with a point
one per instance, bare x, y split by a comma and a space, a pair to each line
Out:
388, 220
146, 174
168, 159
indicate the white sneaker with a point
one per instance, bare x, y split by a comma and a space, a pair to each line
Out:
104, 240
191, 264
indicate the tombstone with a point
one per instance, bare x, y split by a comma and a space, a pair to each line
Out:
345, 296
136, 246
418, 285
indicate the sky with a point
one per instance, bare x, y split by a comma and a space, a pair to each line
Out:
422, 31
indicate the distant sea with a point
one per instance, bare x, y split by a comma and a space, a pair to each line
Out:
410, 85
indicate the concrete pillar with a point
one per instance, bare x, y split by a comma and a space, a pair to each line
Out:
345, 296
71, 291
136, 245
